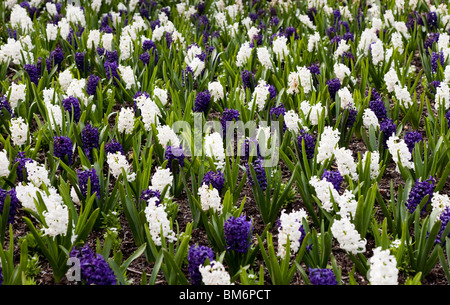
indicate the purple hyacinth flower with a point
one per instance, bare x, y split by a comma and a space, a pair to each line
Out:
333, 87
79, 60
22, 160
217, 180
310, 144
93, 267
324, 276
56, 58
145, 58
197, 256
378, 107
444, 217
411, 138
92, 84
149, 193
248, 80
72, 105
418, 192
174, 153
289, 31
447, 116
149, 45
374, 96
228, 116
112, 56
114, 146
4, 105
260, 172
84, 176
202, 101
352, 113
436, 59
431, 39
111, 71
312, 12
387, 128
334, 177
432, 20
238, 232
276, 111
186, 73
13, 204
89, 139
62, 148
33, 73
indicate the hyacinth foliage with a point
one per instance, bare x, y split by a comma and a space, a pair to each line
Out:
117, 112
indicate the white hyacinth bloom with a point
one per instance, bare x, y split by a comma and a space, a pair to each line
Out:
290, 224
328, 143
382, 268
118, 163
377, 51
442, 96
264, 57
19, 131
374, 163
149, 111
65, 79
313, 42
213, 148
439, 202
305, 79
57, 214
215, 274
259, 96
398, 148
127, 75
292, 120
37, 173
161, 178
391, 79
347, 236
126, 120
341, 71
293, 83
280, 48
161, 94
17, 92
167, 136
370, 119
403, 96
216, 90
345, 97
4, 164
26, 194
210, 198
52, 31
325, 192
76, 88
158, 222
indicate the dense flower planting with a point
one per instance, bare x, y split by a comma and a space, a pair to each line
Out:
224, 142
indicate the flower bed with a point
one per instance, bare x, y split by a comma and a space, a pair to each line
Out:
222, 142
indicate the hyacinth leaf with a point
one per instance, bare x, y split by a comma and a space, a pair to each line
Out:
321, 245
13, 274
4, 219
445, 262
423, 253
280, 273
365, 210
121, 270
